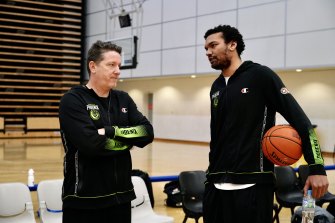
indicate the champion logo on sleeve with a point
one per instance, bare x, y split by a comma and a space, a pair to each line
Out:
284, 90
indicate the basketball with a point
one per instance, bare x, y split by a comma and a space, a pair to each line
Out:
281, 145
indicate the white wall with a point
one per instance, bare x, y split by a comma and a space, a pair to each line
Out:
181, 106
282, 34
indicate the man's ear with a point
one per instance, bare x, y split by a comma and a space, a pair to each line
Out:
92, 66
232, 46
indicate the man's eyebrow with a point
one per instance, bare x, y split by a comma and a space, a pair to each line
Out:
210, 43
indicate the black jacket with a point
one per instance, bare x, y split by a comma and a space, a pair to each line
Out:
241, 113
97, 168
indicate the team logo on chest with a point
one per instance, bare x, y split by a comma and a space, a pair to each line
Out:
215, 98
94, 111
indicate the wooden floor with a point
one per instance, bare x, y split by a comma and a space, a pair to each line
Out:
161, 158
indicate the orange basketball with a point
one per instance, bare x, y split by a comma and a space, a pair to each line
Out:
281, 145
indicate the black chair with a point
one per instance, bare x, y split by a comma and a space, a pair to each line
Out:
276, 215
288, 190
303, 171
192, 187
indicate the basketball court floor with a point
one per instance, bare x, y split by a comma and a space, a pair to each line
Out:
161, 158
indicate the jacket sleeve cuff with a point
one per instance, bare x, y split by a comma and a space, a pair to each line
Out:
317, 169
110, 132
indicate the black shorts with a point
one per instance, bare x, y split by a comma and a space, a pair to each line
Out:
114, 214
253, 204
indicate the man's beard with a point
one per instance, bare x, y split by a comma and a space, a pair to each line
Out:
222, 65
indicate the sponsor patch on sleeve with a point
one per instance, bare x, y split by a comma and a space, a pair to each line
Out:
284, 90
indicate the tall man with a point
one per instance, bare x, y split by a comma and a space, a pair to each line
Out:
244, 100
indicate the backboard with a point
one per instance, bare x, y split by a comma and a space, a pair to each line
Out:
129, 51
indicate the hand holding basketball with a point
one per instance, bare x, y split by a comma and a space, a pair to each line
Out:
282, 145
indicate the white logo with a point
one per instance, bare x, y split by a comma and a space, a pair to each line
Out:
92, 107
284, 90
124, 110
215, 94
245, 90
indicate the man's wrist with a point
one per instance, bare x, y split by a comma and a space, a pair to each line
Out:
110, 131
